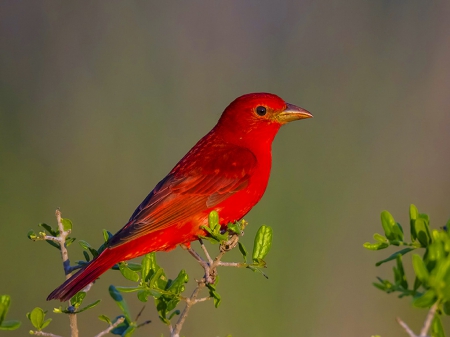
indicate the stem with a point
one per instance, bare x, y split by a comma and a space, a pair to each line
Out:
112, 326
65, 257
426, 325
42, 333
175, 332
428, 320
210, 268
208, 257
406, 327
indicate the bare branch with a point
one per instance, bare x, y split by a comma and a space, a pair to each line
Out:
42, 333
208, 257
233, 264
112, 326
406, 327
66, 263
426, 325
210, 268
428, 320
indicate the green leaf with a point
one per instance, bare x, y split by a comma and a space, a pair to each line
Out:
37, 317
388, 222
243, 251
128, 289
54, 244
263, 242
446, 307
146, 267
105, 236
117, 297
422, 231
213, 293
213, 220
69, 241
177, 285
32, 235
437, 330
46, 323
77, 299
401, 273
84, 244
394, 256
105, 319
10, 325
86, 256
128, 273
234, 228
380, 238
94, 252
425, 300
67, 224
413, 216
143, 295
89, 306
5, 302
49, 229
420, 269
375, 246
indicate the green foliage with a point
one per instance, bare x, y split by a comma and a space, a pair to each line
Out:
5, 302
37, 318
431, 265
263, 243
150, 278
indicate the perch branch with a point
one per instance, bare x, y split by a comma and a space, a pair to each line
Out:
210, 268
66, 263
426, 325
112, 326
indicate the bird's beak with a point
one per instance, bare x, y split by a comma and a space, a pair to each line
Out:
292, 113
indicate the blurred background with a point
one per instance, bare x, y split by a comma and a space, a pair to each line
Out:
99, 100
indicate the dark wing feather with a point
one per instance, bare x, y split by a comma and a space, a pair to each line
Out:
184, 193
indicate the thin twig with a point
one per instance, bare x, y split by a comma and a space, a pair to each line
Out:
203, 299
112, 326
426, 325
65, 257
175, 331
208, 257
210, 268
233, 264
429, 319
42, 333
406, 327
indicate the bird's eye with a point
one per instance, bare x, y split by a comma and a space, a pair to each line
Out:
261, 110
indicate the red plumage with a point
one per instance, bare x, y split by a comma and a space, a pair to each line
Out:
227, 171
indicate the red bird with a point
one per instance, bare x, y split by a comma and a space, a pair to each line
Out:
227, 171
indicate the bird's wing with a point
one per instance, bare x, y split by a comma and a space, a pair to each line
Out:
189, 189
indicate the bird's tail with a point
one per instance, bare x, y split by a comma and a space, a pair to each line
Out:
84, 276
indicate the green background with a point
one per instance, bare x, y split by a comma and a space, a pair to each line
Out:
99, 100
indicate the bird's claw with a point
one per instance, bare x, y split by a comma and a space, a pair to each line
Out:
230, 244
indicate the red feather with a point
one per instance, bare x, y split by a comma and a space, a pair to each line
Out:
227, 171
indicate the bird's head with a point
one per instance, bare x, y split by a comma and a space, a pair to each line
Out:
258, 116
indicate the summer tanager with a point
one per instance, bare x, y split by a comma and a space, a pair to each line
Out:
227, 171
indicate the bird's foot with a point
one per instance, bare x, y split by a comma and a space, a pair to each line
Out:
210, 276
230, 244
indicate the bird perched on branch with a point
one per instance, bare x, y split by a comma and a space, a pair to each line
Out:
227, 171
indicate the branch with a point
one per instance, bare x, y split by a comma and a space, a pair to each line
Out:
210, 268
42, 333
428, 320
112, 326
406, 327
426, 325
66, 263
